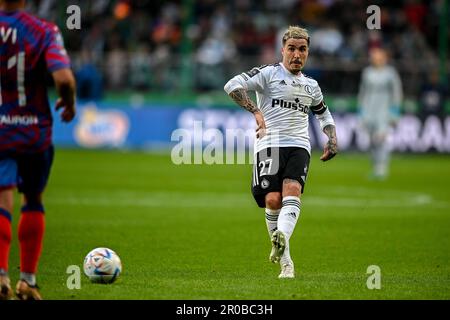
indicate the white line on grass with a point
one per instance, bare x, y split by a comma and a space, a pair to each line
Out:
230, 200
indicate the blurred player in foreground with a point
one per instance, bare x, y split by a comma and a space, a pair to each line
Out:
282, 150
379, 99
30, 47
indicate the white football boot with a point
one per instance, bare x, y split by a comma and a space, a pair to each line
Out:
278, 246
287, 271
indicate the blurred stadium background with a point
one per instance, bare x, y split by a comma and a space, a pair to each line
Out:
145, 68
168, 58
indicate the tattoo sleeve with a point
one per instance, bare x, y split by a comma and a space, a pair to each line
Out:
330, 131
241, 97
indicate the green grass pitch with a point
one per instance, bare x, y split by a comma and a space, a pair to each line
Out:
194, 231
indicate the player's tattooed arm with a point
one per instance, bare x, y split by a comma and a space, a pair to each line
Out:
330, 149
241, 97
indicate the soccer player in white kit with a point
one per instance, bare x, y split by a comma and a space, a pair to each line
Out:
282, 148
379, 98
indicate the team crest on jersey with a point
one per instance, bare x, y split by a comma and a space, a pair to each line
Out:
265, 183
308, 89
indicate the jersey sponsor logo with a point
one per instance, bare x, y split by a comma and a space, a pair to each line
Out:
19, 120
294, 105
282, 82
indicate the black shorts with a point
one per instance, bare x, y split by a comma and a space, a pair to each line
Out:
28, 172
273, 165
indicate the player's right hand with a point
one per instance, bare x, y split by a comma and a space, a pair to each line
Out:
260, 125
68, 112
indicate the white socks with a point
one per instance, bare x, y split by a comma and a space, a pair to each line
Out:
289, 215
29, 278
271, 220
284, 220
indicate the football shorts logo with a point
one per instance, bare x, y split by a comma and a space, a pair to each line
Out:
265, 183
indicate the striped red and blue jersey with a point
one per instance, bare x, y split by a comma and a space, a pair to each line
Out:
29, 48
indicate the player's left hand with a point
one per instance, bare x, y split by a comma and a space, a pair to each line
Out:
261, 125
68, 112
330, 150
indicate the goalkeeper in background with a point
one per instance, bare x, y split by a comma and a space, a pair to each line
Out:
282, 148
379, 99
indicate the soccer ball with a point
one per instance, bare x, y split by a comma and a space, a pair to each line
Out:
102, 265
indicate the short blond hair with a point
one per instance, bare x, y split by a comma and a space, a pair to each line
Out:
295, 32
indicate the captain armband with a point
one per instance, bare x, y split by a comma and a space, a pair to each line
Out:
320, 108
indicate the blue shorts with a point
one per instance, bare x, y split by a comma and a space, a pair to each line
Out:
28, 172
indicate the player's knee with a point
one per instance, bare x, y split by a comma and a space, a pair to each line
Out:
7, 199
33, 199
292, 189
273, 200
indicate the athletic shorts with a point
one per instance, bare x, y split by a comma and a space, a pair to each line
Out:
28, 172
273, 165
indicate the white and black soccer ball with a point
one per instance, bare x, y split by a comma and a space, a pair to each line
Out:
102, 265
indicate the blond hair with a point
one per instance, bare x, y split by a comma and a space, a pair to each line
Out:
295, 32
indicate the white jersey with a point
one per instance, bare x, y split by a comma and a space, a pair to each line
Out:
284, 100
